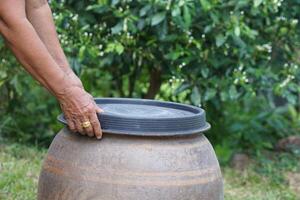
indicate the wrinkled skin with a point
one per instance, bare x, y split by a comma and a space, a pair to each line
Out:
29, 32
78, 109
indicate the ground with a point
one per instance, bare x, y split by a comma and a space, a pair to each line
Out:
264, 180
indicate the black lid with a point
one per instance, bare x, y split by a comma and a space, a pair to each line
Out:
148, 117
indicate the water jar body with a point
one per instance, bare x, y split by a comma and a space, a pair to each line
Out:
126, 167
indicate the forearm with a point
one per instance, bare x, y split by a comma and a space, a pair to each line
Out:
22, 36
26, 65
40, 16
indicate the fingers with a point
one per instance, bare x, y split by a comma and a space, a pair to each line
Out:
70, 123
96, 125
71, 126
80, 109
88, 130
74, 124
95, 128
79, 127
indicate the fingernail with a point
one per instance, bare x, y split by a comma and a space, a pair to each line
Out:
99, 137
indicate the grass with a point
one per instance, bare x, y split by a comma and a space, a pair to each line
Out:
19, 170
267, 178
20, 166
250, 185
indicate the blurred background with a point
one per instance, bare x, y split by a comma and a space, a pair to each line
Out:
237, 59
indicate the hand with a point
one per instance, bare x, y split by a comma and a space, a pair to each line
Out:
78, 107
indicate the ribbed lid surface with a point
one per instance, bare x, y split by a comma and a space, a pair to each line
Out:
149, 117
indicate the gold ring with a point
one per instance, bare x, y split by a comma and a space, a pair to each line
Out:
86, 124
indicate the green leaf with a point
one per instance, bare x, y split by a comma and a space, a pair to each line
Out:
75, 65
114, 2
195, 96
237, 31
206, 5
209, 94
141, 24
17, 85
82, 52
163, 30
100, 9
158, 18
119, 49
102, 2
117, 28
176, 12
187, 17
173, 55
233, 94
204, 72
220, 40
257, 2
144, 10
239, 41
224, 96
208, 28
3, 74
115, 47
182, 88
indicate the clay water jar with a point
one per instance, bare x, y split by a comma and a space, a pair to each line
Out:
130, 167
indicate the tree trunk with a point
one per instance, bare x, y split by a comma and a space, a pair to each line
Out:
155, 83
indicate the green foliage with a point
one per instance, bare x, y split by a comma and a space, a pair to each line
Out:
232, 57
254, 124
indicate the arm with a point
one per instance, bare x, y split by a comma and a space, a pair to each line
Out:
76, 104
26, 65
39, 13
20, 35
